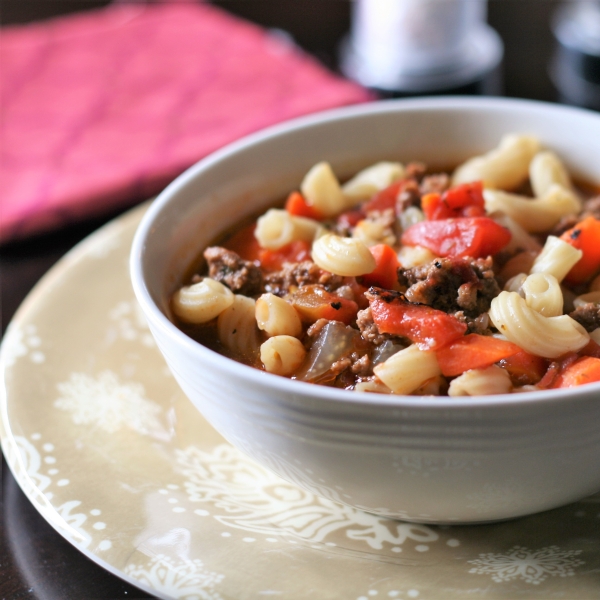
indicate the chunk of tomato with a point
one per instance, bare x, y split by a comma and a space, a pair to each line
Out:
244, 244
583, 370
312, 303
385, 274
585, 236
476, 237
297, 205
473, 351
385, 198
465, 200
428, 327
524, 368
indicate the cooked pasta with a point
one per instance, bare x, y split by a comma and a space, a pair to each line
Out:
542, 293
276, 228
237, 328
202, 301
371, 180
544, 336
505, 167
515, 284
408, 369
545, 170
282, 354
481, 382
535, 215
557, 258
322, 190
275, 316
342, 256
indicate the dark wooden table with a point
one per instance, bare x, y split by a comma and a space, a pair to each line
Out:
35, 561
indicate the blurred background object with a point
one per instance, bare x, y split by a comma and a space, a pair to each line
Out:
575, 69
408, 47
319, 26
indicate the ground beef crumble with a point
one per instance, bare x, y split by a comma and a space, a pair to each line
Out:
480, 324
241, 276
587, 315
299, 274
368, 328
452, 284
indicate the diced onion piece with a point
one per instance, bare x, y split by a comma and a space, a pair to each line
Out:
334, 342
542, 293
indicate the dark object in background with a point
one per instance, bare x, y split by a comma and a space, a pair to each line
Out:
575, 67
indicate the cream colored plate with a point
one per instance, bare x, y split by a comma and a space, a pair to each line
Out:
114, 456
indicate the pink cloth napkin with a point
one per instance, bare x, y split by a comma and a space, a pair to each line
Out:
104, 108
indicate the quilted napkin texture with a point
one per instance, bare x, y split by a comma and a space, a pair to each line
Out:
104, 108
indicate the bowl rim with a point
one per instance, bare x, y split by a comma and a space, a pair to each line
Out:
334, 396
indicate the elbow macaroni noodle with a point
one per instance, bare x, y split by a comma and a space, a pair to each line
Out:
481, 382
534, 215
370, 181
276, 228
277, 317
556, 258
342, 256
505, 167
237, 328
322, 190
544, 336
202, 301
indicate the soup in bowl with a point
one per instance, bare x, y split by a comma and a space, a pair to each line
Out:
421, 422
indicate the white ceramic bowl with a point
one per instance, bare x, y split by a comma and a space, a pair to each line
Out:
442, 460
